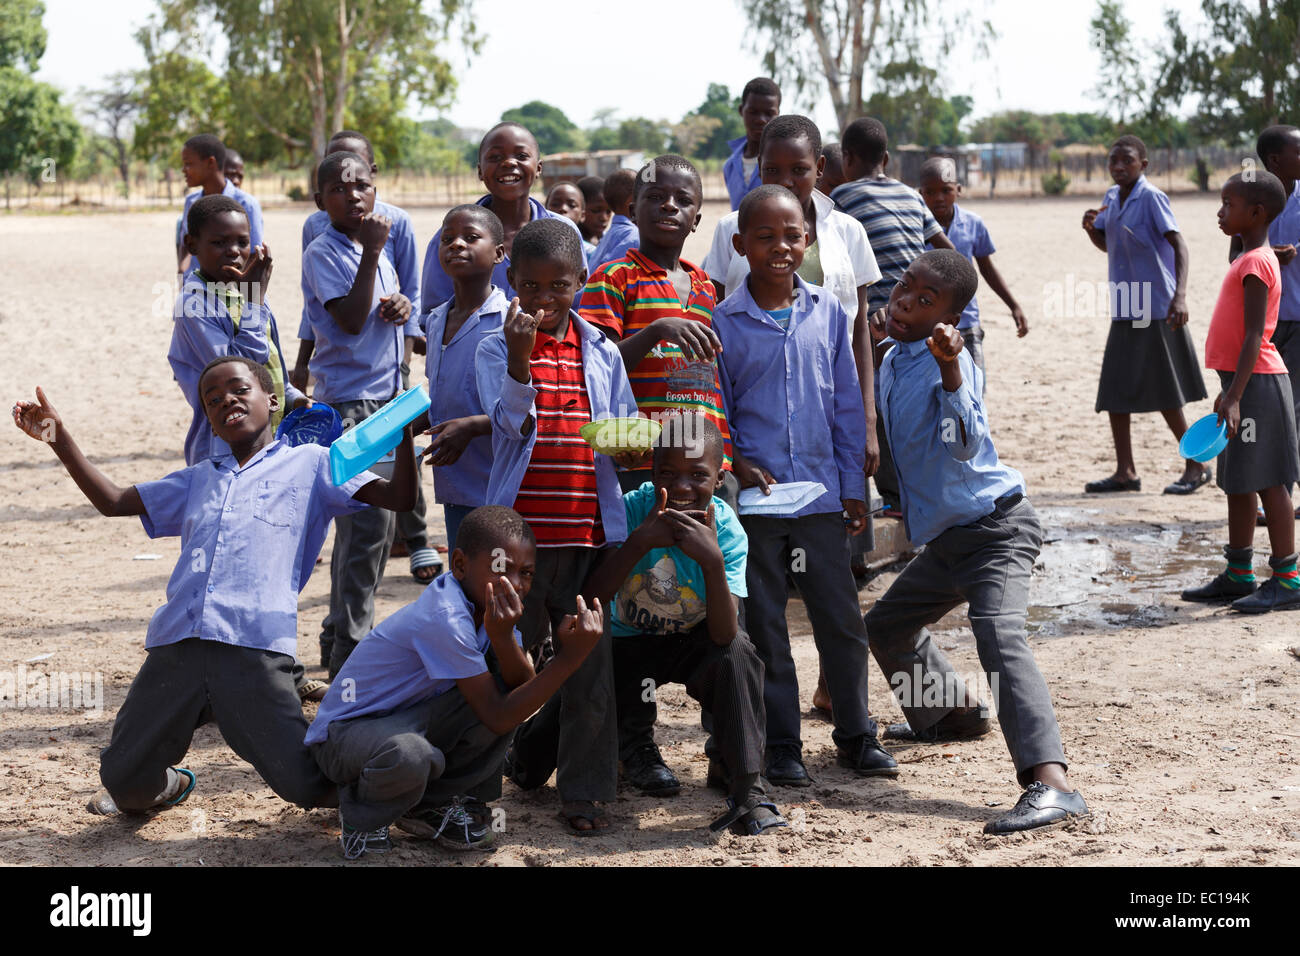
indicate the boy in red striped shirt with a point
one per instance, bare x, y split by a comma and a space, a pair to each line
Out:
541, 378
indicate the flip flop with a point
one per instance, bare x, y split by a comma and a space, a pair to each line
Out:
1112, 484
189, 788
425, 558
748, 820
313, 689
1184, 487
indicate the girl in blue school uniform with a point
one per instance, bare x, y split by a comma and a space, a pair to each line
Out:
221, 649
1150, 364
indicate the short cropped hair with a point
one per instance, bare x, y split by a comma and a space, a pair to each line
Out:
232, 157
593, 188
554, 239
692, 431
505, 124
572, 185
760, 86
620, 186
942, 168
1262, 188
754, 197
343, 134
956, 272
833, 153
1129, 141
791, 126
330, 169
1272, 141
485, 216
668, 161
260, 372
492, 526
205, 145
206, 208
866, 139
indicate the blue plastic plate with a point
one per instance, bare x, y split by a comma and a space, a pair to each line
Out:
361, 446
1204, 439
316, 425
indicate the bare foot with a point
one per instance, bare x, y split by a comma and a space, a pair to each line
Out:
821, 696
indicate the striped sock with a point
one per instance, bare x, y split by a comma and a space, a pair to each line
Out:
1240, 565
1284, 571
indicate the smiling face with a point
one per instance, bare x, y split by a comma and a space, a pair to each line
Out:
514, 560
774, 240
757, 111
940, 196
566, 199
508, 162
238, 407
349, 198
689, 481
791, 163
1125, 166
466, 247
667, 210
546, 283
196, 168
222, 241
919, 302
1236, 213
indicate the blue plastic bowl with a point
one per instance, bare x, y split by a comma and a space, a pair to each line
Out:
318, 424
1204, 439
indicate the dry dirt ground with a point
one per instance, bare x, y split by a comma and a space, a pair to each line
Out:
1180, 721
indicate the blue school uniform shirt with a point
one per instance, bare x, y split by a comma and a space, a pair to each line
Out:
510, 404
453, 393
417, 654
249, 540
733, 173
400, 248
792, 396
1139, 259
943, 480
1285, 231
621, 236
436, 286
971, 238
665, 591
203, 329
251, 207
588, 252
350, 367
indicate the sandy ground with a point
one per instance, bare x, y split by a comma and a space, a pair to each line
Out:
1180, 722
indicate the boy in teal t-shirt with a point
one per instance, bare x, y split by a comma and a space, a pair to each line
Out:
674, 589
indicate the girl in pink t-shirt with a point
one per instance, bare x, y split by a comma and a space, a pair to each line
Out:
1255, 403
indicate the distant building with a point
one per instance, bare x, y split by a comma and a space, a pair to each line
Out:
570, 167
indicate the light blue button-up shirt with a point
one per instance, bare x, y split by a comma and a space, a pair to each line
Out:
350, 367
733, 173
792, 396
436, 286
453, 393
971, 238
249, 541
1139, 258
400, 247
944, 481
621, 236
510, 404
1285, 231
252, 208
417, 654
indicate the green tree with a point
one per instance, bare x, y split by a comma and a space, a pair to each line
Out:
1121, 84
692, 133
808, 43
911, 108
646, 135
555, 132
722, 106
114, 108
1017, 126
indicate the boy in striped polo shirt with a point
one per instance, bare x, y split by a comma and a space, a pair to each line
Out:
541, 378
659, 309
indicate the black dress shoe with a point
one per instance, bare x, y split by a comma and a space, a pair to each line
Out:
645, 769
1039, 806
1271, 596
964, 727
865, 757
1220, 591
785, 768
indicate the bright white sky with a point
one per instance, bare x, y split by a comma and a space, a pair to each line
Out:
1041, 61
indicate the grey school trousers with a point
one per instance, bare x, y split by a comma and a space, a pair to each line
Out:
412, 526
726, 681
361, 545
250, 696
814, 550
986, 563
576, 730
418, 757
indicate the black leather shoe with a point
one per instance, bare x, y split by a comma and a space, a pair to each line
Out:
645, 769
953, 727
865, 757
1039, 806
1271, 596
785, 768
1220, 591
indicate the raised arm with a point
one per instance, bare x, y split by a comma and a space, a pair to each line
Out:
40, 421
396, 493
350, 311
994, 279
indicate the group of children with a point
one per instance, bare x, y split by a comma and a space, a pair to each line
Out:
831, 335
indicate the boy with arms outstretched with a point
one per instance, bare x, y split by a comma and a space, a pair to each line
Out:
222, 647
